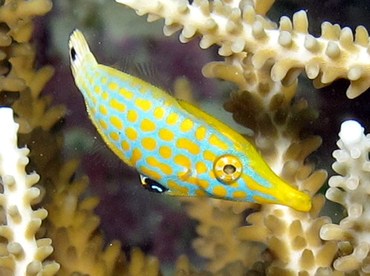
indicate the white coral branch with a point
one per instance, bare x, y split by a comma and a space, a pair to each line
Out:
237, 27
351, 188
25, 254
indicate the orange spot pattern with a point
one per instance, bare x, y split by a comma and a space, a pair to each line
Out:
240, 194
113, 86
114, 136
152, 161
131, 133
143, 104
128, 95
200, 133
97, 89
186, 125
165, 152
117, 105
149, 143
166, 135
159, 113
147, 125
116, 122
103, 110
214, 140
200, 167
153, 174
180, 190
190, 146
132, 116
136, 156
183, 160
172, 118
125, 146
103, 124
219, 191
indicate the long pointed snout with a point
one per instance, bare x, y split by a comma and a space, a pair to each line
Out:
298, 200
280, 192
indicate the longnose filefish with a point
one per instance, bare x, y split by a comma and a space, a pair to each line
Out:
176, 148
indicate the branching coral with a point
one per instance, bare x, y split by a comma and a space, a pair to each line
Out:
264, 61
72, 226
237, 26
351, 188
292, 237
71, 223
23, 254
15, 35
218, 241
17, 67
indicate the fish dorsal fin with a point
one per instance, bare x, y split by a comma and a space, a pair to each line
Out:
150, 73
223, 128
146, 71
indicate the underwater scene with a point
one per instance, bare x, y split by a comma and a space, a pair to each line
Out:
184, 137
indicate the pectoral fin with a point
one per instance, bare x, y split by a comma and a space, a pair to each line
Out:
152, 185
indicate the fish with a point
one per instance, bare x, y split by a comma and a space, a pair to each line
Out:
176, 148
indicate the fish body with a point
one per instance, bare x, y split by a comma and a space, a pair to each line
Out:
176, 148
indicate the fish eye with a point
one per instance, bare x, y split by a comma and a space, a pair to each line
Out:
152, 185
73, 54
227, 168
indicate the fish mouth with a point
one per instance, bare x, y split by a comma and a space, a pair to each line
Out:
299, 201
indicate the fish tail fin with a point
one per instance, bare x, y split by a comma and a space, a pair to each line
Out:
79, 51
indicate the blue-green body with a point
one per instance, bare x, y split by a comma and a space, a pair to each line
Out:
171, 143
